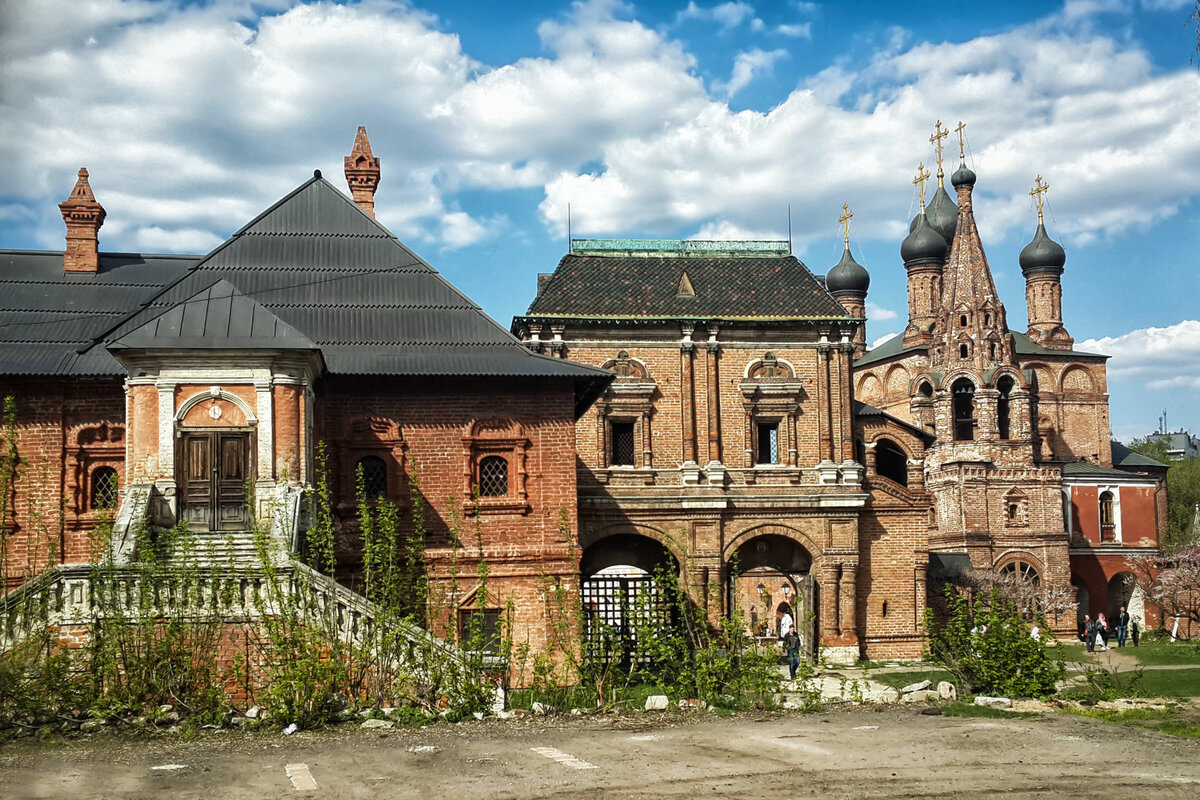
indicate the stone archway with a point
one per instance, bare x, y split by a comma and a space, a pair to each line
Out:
770, 575
621, 595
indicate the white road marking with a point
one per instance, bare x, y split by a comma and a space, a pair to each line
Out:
565, 759
300, 777
866, 728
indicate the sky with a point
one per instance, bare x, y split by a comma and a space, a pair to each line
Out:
681, 119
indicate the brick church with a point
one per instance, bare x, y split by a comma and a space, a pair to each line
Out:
708, 407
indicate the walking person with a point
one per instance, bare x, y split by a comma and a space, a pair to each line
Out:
1088, 632
1134, 625
791, 646
1101, 631
1122, 622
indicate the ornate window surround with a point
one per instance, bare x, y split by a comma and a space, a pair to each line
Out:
630, 398
371, 436
771, 394
496, 437
97, 446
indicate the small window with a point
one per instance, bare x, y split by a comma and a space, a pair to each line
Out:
104, 488
493, 477
926, 390
963, 320
992, 350
1013, 510
963, 351
987, 320
370, 475
768, 443
622, 444
891, 461
1107, 512
1004, 407
479, 630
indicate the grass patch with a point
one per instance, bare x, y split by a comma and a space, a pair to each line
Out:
898, 680
962, 708
1165, 653
1070, 652
1170, 683
1170, 722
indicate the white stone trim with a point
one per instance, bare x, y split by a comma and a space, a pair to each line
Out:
213, 393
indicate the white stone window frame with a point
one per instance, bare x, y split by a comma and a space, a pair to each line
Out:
1115, 489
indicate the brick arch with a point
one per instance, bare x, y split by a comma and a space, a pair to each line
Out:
897, 381
1013, 555
902, 439
974, 377
216, 393
597, 535
1015, 374
493, 428
772, 529
755, 364
1045, 376
870, 389
1077, 378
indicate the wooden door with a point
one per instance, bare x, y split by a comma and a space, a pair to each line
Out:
214, 470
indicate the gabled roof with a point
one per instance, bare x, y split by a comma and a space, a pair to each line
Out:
319, 272
861, 409
647, 286
1122, 456
217, 318
1086, 470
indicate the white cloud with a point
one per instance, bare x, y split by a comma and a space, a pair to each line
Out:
747, 66
803, 31
727, 15
459, 229
877, 313
1154, 358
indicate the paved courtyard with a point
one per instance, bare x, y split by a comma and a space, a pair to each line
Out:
861, 753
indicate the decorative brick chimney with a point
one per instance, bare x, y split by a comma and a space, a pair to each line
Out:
83, 216
362, 172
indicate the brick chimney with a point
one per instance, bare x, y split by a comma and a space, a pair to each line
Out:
362, 172
83, 216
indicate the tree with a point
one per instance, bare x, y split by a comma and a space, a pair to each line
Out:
1171, 582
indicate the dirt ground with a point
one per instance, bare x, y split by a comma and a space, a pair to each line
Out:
861, 753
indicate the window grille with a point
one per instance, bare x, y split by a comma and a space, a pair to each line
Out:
768, 443
104, 488
622, 444
479, 631
493, 477
373, 473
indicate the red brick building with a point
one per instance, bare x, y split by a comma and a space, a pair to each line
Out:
173, 386
751, 439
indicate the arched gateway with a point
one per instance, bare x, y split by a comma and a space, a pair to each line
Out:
770, 581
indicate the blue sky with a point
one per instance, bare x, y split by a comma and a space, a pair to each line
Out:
665, 119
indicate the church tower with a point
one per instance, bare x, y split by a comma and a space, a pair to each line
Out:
924, 252
1042, 263
848, 282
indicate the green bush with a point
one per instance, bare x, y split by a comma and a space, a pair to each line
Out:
989, 649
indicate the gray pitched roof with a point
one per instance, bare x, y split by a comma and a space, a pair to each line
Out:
862, 409
319, 270
1123, 456
749, 286
47, 315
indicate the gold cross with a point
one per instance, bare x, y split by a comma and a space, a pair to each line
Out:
919, 181
936, 139
845, 218
1037, 192
962, 155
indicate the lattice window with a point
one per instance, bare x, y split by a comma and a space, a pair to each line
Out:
480, 630
622, 444
371, 474
493, 477
768, 443
105, 488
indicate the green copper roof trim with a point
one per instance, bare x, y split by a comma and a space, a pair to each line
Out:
701, 319
675, 248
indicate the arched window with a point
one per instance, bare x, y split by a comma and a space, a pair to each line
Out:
493, 477
1003, 413
964, 410
963, 350
104, 488
1108, 517
926, 390
891, 462
1024, 587
372, 473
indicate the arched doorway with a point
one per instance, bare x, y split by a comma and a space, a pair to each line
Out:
1123, 590
620, 596
1083, 600
770, 582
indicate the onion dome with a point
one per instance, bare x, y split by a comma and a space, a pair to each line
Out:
963, 176
923, 243
847, 276
942, 215
1043, 254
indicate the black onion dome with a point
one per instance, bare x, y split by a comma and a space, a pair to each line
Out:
924, 243
848, 276
943, 214
963, 176
1043, 254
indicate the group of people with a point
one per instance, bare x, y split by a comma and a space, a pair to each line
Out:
1095, 633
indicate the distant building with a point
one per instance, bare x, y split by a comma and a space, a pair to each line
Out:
1180, 444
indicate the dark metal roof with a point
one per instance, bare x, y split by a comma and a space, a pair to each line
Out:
648, 286
219, 317
1122, 456
47, 315
862, 409
1086, 469
312, 271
